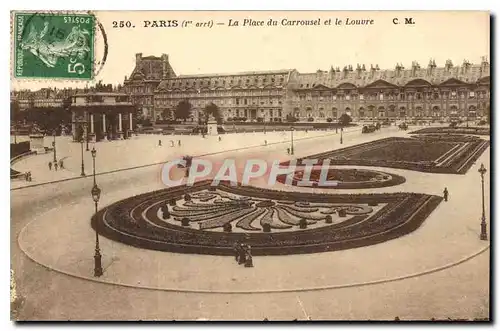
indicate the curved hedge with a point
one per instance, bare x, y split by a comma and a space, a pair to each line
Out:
135, 221
363, 183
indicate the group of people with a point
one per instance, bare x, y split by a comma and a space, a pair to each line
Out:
172, 143
27, 176
243, 254
56, 165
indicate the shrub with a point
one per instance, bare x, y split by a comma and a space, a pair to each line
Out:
372, 203
185, 221
342, 213
328, 219
310, 119
345, 119
187, 197
173, 202
329, 120
227, 227
266, 227
303, 223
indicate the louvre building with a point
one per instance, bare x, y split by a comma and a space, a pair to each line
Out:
363, 92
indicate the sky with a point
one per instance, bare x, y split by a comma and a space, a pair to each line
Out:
440, 35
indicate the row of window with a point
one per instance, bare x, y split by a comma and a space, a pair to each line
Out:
237, 101
390, 109
389, 96
218, 93
215, 82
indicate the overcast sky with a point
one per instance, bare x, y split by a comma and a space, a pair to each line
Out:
222, 49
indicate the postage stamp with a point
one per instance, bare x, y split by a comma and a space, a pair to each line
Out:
53, 45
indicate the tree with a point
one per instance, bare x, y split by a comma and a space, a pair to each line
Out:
212, 109
183, 110
291, 118
14, 111
345, 119
166, 114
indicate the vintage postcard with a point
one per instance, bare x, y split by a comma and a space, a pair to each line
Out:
250, 165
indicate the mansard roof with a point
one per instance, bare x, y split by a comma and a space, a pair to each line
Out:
244, 73
151, 68
219, 82
398, 77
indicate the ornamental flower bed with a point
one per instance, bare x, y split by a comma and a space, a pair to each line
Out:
131, 221
416, 154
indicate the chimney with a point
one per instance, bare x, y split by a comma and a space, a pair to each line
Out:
138, 58
164, 62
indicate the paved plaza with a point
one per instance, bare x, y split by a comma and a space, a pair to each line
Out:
440, 270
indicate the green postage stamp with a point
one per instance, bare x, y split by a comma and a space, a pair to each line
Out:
53, 45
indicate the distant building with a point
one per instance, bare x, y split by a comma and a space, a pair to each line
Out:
431, 92
148, 72
363, 93
372, 94
250, 95
102, 116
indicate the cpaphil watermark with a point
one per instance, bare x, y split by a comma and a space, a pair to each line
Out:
188, 171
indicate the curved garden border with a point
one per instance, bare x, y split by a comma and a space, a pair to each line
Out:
459, 130
393, 181
125, 221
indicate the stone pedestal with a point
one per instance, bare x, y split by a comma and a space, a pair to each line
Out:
37, 143
212, 128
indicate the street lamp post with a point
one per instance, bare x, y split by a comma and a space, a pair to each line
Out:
54, 146
291, 133
83, 165
484, 235
341, 138
86, 135
96, 194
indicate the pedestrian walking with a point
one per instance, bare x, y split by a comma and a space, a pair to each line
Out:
445, 194
236, 251
171, 143
179, 143
159, 142
220, 138
288, 150
55, 166
242, 254
61, 164
50, 165
265, 142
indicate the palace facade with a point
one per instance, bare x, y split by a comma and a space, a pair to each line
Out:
431, 92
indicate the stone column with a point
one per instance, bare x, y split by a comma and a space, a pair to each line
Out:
120, 128
105, 136
92, 123
92, 133
130, 122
